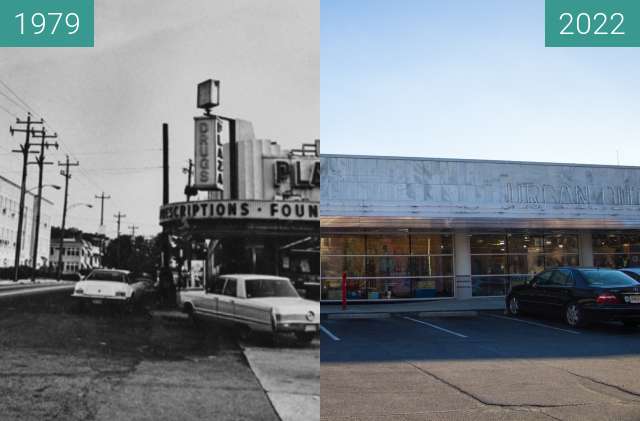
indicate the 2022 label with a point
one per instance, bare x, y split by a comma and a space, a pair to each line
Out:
582, 24
592, 23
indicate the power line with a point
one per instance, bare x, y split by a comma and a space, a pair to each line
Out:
6, 110
14, 102
18, 97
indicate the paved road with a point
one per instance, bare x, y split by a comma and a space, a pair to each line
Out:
55, 364
484, 368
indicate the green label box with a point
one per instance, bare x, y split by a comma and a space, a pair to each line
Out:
592, 23
46, 23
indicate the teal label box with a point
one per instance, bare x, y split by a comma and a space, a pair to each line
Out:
592, 23
46, 23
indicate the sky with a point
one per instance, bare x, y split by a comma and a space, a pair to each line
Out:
108, 103
467, 79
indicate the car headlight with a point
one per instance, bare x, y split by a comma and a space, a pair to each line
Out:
310, 315
79, 291
121, 294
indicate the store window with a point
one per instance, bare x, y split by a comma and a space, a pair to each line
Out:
616, 250
387, 266
501, 260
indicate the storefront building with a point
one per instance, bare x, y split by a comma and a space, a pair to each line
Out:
423, 228
264, 219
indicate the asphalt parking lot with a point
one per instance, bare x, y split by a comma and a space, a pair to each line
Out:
489, 367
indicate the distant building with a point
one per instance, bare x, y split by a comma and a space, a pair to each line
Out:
78, 255
9, 210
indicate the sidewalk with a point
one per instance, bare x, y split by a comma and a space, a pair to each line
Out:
39, 281
442, 308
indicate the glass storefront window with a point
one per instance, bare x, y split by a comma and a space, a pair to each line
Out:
431, 265
333, 266
561, 243
616, 250
379, 266
525, 243
616, 260
500, 260
388, 266
431, 244
342, 244
385, 245
488, 264
488, 243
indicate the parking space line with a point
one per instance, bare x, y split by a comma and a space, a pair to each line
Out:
534, 324
329, 334
460, 335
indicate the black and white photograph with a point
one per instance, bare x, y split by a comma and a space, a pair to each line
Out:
160, 214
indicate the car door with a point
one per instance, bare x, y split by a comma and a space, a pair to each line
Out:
529, 296
207, 305
557, 292
227, 301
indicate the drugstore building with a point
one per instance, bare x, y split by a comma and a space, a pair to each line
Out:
425, 228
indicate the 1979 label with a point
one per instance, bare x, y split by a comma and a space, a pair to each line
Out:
46, 23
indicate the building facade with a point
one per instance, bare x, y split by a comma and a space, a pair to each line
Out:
422, 228
264, 220
9, 211
78, 255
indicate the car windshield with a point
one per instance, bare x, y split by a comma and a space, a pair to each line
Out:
607, 278
258, 288
103, 275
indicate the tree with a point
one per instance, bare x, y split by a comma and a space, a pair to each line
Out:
136, 255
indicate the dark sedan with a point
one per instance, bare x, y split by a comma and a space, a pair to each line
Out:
633, 272
580, 295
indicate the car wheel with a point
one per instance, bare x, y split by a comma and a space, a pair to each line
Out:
573, 315
630, 324
513, 306
305, 337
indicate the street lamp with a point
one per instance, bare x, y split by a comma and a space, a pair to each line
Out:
80, 204
55, 186
61, 247
34, 252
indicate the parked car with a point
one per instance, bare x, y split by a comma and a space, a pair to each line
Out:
633, 272
255, 303
113, 286
580, 295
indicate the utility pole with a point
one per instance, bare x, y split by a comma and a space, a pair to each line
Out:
133, 229
165, 192
189, 172
41, 163
118, 217
24, 149
67, 175
102, 197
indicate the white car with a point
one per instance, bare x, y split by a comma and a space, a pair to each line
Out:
105, 286
260, 303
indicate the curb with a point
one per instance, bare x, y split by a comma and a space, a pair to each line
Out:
360, 316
